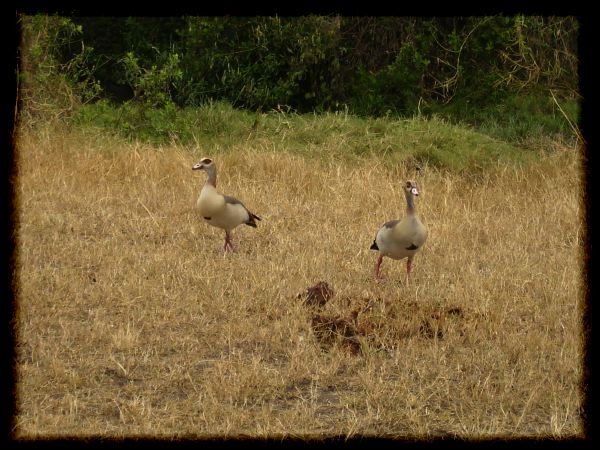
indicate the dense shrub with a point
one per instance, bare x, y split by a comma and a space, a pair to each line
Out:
365, 65
321, 62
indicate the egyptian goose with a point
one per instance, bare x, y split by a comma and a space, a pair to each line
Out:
221, 211
398, 239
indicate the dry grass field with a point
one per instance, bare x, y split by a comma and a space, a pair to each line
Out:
132, 322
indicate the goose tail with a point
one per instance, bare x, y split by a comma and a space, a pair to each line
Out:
252, 220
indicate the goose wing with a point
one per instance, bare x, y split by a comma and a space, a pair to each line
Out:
237, 204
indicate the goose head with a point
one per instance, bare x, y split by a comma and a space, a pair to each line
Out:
204, 164
410, 192
410, 188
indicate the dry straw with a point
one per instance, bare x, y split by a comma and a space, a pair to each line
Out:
132, 322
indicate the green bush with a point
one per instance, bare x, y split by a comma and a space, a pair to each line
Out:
152, 86
480, 70
51, 88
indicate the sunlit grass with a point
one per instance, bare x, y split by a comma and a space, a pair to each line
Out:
132, 322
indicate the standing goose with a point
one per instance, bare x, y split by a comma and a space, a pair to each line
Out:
398, 239
221, 211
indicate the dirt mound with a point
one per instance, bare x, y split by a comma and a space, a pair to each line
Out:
355, 324
317, 295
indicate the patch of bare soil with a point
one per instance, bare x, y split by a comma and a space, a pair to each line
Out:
356, 325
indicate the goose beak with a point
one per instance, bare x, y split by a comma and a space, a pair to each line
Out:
197, 166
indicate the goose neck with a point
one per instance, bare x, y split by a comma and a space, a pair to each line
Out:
410, 203
212, 176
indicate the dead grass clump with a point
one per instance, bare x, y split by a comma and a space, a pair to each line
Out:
331, 330
317, 295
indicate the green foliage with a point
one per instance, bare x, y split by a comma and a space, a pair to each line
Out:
212, 121
540, 50
432, 142
149, 38
261, 62
51, 88
479, 70
519, 119
483, 58
151, 114
392, 90
373, 65
152, 86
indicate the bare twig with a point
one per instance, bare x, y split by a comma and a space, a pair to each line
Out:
574, 127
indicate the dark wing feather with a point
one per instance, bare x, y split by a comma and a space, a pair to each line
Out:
391, 223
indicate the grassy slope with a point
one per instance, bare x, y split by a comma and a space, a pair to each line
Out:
219, 127
132, 322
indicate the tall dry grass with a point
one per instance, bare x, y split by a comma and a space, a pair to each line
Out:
131, 321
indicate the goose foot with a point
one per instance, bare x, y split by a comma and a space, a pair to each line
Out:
228, 246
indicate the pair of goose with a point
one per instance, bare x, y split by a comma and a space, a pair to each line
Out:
396, 239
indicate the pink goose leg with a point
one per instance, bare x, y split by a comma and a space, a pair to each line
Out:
228, 246
378, 278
